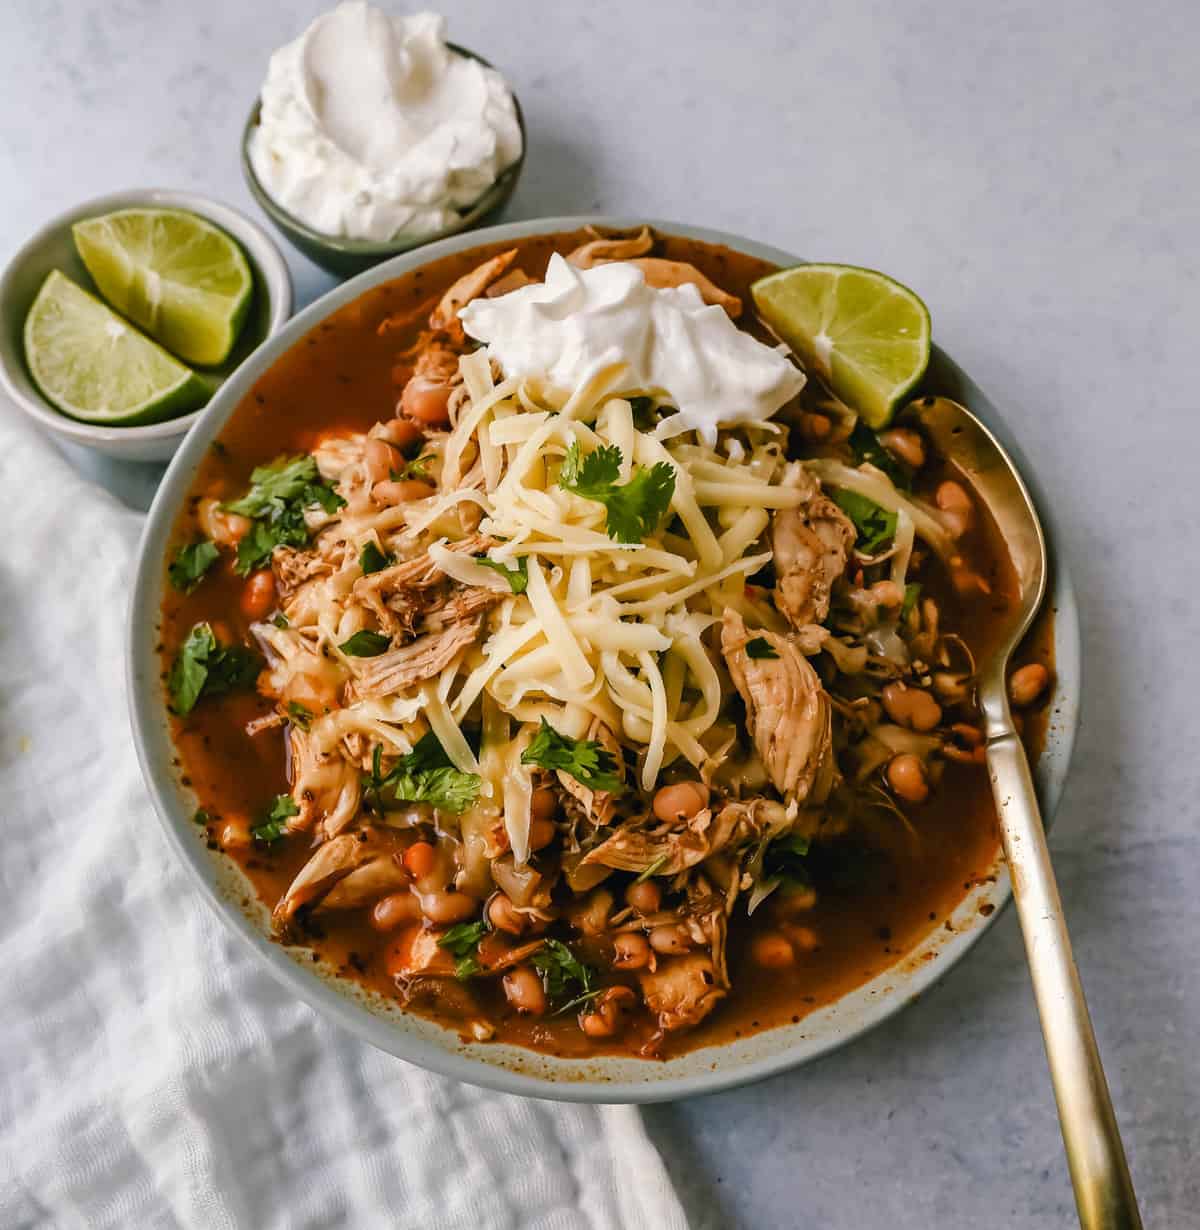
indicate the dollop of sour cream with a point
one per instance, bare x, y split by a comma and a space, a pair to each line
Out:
579, 321
372, 127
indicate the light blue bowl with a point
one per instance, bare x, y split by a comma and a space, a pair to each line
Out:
507, 1068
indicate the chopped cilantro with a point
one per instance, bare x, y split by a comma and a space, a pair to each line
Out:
644, 416
366, 644
299, 716
463, 942
279, 493
634, 509
564, 975
866, 446
589, 763
201, 816
190, 564
274, 825
760, 647
785, 857
875, 525
517, 578
280, 620
372, 559
417, 468
425, 775
912, 591
204, 667
651, 868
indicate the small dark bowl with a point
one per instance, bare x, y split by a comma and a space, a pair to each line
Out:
346, 257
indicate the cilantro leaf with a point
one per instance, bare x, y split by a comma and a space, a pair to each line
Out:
298, 715
204, 667
875, 525
912, 591
634, 509
279, 493
463, 942
274, 825
651, 868
564, 975
280, 620
201, 816
588, 762
785, 857
372, 559
425, 775
759, 648
366, 644
418, 468
190, 564
517, 578
866, 446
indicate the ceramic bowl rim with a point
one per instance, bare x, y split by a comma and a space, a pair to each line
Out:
401, 1036
261, 250
503, 185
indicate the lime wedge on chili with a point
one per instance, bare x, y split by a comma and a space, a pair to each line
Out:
178, 277
867, 335
95, 366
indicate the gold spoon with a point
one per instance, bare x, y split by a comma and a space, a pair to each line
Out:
1100, 1174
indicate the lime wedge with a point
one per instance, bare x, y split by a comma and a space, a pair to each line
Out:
180, 278
97, 367
867, 335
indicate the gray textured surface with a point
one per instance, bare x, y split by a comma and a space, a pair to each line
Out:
1032, 170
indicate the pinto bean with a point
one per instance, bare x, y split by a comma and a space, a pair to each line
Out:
815, 428
771, 950
392, 492
541, 834
505, 916
543, 805
1027, 683
420, 859
401, 432
606, 1014
258, 594
670, 940
380, 458
442, 908
802, 939
524, 990
592, 917
955, 503
911, 707
395, 910
681, 801
645, 897
427, 401
906, 776
906, 444
631, 950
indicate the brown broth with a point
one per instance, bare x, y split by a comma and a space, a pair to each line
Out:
345, 375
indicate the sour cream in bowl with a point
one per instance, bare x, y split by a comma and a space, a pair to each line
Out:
373, 135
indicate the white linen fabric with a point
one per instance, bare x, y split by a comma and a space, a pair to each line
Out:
152, 1074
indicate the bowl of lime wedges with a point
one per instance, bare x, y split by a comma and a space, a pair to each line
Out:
120, 318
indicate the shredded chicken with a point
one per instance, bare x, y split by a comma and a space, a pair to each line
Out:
811, 544
469, 286
399, 669
663, 274
682, 991
325, 786
604, 248
787, 710
332, 862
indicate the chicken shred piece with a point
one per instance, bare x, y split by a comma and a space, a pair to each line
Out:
417, 954
469, 286
788, 712
399, 669
810, 544
325, 787
665, 274
367, 884
682, 991
332, 862
604, 248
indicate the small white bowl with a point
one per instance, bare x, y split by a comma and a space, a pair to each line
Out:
53, 248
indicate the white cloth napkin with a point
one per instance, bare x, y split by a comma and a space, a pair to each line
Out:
151, 1073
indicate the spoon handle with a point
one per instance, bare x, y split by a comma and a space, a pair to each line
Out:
1100, 1174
